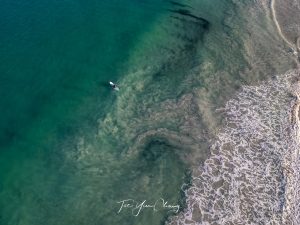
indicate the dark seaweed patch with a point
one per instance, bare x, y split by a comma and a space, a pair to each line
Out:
184, 12
158, 75
155, 149
179, 4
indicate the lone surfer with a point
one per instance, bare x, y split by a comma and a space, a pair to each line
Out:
114, 86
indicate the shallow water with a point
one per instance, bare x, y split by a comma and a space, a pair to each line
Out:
72, 148
252, 175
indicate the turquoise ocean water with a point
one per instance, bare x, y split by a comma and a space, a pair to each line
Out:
72, 149
56, 61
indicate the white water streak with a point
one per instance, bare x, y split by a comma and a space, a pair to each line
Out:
252, 176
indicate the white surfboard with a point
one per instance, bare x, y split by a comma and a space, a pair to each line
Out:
114, 86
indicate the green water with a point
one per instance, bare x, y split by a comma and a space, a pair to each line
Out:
56, 61
71, 148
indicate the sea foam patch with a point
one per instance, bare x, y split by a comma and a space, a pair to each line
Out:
252, 175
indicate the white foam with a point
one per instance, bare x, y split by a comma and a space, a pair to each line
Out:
252, 176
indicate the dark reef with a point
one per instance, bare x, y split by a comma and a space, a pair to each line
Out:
186, 13
179, 4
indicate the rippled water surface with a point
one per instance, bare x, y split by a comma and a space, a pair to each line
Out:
202, 130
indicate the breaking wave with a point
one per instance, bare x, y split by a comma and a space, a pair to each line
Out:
252, 175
